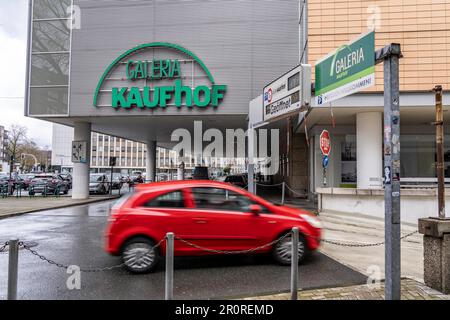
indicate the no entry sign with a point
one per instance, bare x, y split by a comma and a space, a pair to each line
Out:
325, 143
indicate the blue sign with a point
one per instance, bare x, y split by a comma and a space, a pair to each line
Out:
325, 161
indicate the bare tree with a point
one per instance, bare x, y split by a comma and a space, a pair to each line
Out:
17, 134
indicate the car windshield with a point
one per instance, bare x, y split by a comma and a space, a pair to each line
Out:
95, 178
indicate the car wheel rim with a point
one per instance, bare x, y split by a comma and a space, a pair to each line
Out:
284, 249
139, 256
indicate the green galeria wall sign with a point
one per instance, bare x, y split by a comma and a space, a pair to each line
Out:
349, 69
158, 70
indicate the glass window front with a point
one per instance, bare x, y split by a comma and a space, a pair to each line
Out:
48, 101
50, 36
49, 69
49, 9
348, 160
50, 59
418, 156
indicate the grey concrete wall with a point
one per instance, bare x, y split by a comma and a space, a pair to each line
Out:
244, 43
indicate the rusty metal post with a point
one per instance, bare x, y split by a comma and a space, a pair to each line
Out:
440, 151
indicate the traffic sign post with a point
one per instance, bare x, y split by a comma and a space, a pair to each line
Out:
325, 148
390, 56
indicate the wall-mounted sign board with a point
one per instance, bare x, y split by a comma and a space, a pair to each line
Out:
287, 95
347, 70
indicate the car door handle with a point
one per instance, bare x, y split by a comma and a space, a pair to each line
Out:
200, 220
272, 222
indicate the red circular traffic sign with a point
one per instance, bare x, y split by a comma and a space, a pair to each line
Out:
325, 143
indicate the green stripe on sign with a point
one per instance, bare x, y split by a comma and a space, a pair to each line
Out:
345, 81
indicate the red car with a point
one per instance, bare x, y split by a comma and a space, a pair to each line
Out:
210, 214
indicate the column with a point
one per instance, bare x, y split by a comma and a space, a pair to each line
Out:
369, 148
80, 186
151, 161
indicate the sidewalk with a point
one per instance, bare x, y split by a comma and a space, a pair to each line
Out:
347, 228
411, 290
13, 206
363, 229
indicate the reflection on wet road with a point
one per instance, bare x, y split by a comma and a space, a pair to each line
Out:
75, 236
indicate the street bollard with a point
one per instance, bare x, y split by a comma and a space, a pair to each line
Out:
169, 266
13, 268
282, 192
294, 264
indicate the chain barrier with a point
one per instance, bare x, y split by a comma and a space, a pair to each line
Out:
63, 266
232, 252
294, 192
356, 244
3, 247
268, 185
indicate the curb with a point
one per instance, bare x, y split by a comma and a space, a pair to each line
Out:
14, 214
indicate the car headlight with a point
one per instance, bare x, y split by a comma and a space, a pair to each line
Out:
313, 221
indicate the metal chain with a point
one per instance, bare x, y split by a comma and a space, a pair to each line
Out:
3, 247
233, 252
268, 185
64, 266
294, 192
359, 245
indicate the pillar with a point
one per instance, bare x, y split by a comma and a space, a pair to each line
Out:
369, 148
436, 253
80, 185
151, 161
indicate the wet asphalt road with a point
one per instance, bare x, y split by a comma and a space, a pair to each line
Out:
75, 236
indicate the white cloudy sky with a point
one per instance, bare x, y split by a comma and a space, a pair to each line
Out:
13, 39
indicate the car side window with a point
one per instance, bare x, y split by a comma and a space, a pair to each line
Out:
222, 199
172, 199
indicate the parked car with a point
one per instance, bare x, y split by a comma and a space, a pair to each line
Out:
4, 181
117, 181
98, 183
48, 183
67, 177
210, 214
237, 180
26, 179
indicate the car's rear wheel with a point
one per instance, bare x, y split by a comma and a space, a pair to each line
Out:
282, 251
139, 255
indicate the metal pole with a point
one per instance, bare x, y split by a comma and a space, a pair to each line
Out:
169, 266
111, 181
392, 171
283, 185
13, 268
294, 264
440, 151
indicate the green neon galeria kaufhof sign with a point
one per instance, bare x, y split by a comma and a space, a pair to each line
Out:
349, 69
155, 71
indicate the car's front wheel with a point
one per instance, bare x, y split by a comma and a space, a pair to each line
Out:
282, 251
139, 255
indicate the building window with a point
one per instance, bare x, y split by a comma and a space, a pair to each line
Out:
50, 58
418, 156
348, 160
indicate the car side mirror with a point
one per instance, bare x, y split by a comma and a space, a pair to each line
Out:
255, 209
